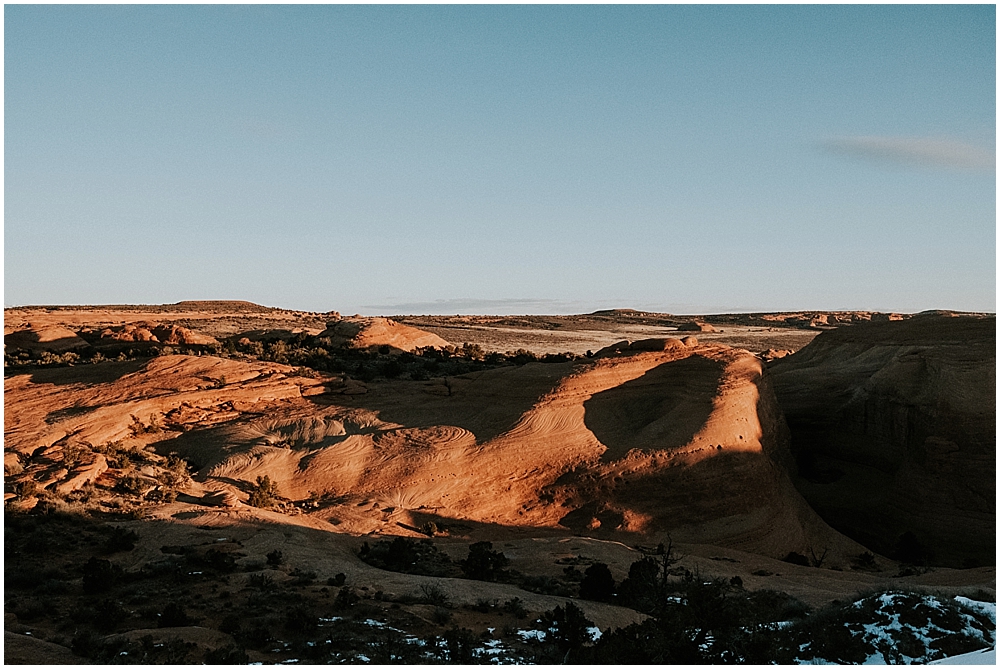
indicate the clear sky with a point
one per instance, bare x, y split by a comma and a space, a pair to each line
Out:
518, 159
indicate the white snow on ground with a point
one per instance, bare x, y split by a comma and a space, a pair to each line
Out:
886, 620
538, 635
987, 656
986, 608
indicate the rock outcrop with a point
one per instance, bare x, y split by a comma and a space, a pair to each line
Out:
156, 333
695, 326
661, 437
362, 332
894, 430
53, 338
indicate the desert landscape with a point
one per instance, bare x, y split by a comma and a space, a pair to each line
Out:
471, 333
229, 483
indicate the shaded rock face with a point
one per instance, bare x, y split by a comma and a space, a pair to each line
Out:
53, 338
695, 326
894, 430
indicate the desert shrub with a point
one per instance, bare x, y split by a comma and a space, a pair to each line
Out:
100, 575
161, 496
220, 560
52, 588
256, 636
346, 598
337, 580
32, 609
27, 578
120, 540
640, 589
433, 594
26, 488
408, 556
484, 563
302, 577
515, 607
264, 494
545, 585
598, 584
260, 581
441, 616
392, 369
300, 620
484, 605
108, 614
133, 485
566, 627
173, 615
275, 558
461, 644
138, 428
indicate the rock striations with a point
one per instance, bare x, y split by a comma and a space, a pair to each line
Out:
658, 437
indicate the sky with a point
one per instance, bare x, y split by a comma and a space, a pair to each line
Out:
502, 159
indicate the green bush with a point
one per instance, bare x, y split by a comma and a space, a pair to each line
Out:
264, 494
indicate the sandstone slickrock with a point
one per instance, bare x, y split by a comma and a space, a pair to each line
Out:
54, 338
363, 332
894, 429
665, 437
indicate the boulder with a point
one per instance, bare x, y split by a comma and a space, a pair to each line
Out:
364, 332
695, 326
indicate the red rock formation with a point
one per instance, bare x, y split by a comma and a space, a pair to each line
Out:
54, 338
362, 332
695, 326
156, 332
894, 427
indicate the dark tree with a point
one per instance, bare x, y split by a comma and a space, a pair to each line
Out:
598, 584
484, 563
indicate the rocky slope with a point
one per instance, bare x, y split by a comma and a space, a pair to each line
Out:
894, 429
675, 437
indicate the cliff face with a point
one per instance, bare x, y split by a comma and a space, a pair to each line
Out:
894, 431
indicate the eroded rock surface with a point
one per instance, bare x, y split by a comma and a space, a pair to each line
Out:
662, 437
894, 428
363, 332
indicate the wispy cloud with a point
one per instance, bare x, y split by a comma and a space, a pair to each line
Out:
476, 306
925, 151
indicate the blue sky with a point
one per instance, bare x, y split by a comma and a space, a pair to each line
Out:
518, 159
